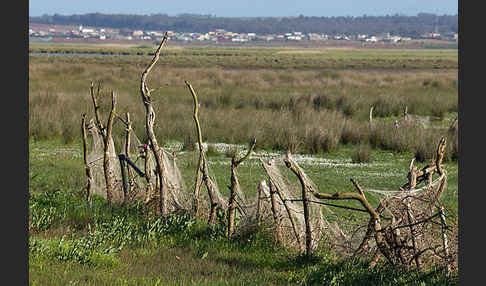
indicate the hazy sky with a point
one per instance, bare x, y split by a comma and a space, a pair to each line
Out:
250, 8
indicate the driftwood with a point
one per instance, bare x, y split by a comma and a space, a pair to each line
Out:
109, 176
305, 188
427, 171
235, 185
145, 93
370, 119
375, 221
404, 237
130, 186
412, 181
149, 188
127, 146
87, 168
276, 214
419, 228
107, 139
445, 242
199, 169
202, 169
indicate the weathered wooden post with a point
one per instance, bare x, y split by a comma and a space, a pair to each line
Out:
260, 191
127, 149
87, 168
124, 178
370, 119
276, 213
109, 176
308, 226
198, 185
145, 93
107, 140
444, 240
202, 174
234, 187
412, 181
148, 172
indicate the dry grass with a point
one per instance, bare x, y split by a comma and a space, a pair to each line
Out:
311, 110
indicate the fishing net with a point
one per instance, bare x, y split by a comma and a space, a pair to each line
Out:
290, 211
409, 218
178, 197
413, 225
95, 162
142, 181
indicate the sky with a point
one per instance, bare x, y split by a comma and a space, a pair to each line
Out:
250, 8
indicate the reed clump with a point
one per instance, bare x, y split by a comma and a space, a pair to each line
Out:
362, 154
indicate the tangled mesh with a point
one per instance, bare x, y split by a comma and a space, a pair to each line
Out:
408, 216
95, 162
139, 187
288, 202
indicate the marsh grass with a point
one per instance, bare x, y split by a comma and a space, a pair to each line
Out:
362, 154
105, 245
212, 151
284, 108
305, 102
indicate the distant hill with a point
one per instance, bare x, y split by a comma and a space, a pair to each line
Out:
407, 26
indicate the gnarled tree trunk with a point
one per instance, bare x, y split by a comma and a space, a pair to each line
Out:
149, 125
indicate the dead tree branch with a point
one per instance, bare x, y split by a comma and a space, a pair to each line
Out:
145, 93
202, 169
235, 186
107, 139
274, 187
87, 168
305, 189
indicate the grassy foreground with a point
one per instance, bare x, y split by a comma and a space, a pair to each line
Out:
71, 243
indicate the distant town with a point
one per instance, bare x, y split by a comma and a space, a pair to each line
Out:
65, 33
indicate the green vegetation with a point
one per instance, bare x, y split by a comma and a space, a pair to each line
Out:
284, 105
71, 242
259, 57
293, 104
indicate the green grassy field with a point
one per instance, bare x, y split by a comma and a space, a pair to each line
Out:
100, 245
315, 101
270, 57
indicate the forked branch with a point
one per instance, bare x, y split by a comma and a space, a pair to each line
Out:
235, 186
149, 124
202, 169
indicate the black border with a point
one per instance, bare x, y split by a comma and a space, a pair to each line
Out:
15, 151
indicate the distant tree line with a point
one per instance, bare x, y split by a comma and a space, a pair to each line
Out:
411, 26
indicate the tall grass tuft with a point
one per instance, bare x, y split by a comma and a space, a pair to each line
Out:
189, 142
362, 154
